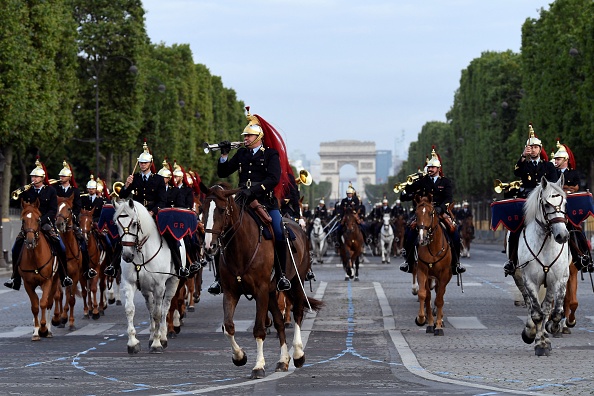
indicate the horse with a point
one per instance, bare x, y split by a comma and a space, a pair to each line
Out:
544, 258
37, 266
386, 238
74, 258
146, 266
352, 246
433, 263
399, 228
317, 238
246, 265
466, 235
570, 303
97, 260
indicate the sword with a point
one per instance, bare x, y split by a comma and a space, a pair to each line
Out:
295, 265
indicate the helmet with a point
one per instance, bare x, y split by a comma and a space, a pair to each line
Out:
100, 185
464, 203
385, 201
350, 189
177, 170
397, 201
39, 169
561, 151
165, 171
92, 183
66, 171
322, 201
253, 127
434, 161
532, 139
145, 156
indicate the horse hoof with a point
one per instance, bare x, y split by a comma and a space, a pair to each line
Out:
419, 323
86, 316
288, 325
542, 351
196, 300
43, 333
55, 323
96, 316
63, 320
72, 328
558, 334
118, 302
258, 374
281, 367
242, 361
299, 362
571, 325
527, 339
566, 330
518, 303
164, 344
176, 329
35, 338
156, 350
171, 334
191, 309
134, 349
61, 325
346, 278
438, 332
111, 301
430, 329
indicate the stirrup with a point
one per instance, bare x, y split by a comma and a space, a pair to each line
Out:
195, 267
458, 269
183, 272
283, 284
215, 288
405, 267
310, 275
91, 273
67, 281
110, 271
509, 268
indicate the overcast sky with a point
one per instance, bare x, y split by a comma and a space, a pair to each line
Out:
323, 70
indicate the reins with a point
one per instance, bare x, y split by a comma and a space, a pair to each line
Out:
430, 233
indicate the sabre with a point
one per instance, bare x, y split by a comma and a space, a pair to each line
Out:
295, 265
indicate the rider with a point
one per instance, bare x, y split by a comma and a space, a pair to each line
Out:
398, 209
350, 202
92, 201
321, 211
263, 175
565, 164
380, 211
66, 189
532, 166
440, 188
48, 206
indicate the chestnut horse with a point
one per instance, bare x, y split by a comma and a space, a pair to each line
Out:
399, 228
466, 235
97, 260
434, 262
246, 268
352, 246
74, 258
37, 266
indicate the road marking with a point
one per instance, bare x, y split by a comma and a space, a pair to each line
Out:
240, 326
17, 332
465, 322
92, 329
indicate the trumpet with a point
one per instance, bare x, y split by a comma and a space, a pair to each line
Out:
16, 193
214, 147
116, 188
304, 178
500, 187
410, 179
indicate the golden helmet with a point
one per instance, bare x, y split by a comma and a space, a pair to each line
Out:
561, 151
38, 171
92, 183
532, 139
145, 156
66, 171
350, 189
322, 202
253, 127
464, 203
100, 185
165, 171
434, 161
385, 201
397, 201
177, 170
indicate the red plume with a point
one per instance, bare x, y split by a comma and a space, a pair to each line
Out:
273, 139
543, 154
46, 178
72, 181
571, 157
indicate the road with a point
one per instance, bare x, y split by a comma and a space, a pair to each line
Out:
364, 341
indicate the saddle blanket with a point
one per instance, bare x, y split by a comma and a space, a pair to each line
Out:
507, 212
106, 222
178, 222
579, 207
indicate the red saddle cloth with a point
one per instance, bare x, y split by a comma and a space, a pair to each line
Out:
178, 222
507, 212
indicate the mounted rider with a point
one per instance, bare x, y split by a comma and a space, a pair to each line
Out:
532, 165
351, 203
321, 211
439, 187
263, 177
41, 191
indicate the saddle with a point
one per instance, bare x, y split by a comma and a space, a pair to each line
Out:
261, 211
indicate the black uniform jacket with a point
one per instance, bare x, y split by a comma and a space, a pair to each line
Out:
88, 203
571, 177
48, 202
71, 191
321, 212
151, 193
180, 197
463, 213
441, 190
352, 204
259, 172
398, 210
531, 175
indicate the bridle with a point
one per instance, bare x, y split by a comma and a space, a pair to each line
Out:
34, 231
67, 219
431, 227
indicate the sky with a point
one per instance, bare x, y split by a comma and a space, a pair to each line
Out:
327, 70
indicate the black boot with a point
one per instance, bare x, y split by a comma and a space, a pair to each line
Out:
112, 269
182, 271
280, 250
509, 268
408, 253
15, 282
215, 288
457, 268
87, 271
310, 275
65, 280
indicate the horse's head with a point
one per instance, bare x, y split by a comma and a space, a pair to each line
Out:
64, 215
349, 220
219, 211
386, 220
546, 206
130, 216
85, 220
427, 219
31, 223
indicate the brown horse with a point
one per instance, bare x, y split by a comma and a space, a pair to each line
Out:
399, 228
246, 265
353, 244
434, 262
37, 266
97, 260
466, 235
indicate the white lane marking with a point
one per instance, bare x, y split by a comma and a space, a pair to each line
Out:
92, 329
240, 326
17, 332
465, 322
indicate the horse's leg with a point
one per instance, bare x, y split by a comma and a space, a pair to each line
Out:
519, 281
556, 314
71, 295
542, 345
535, 317
357, 268
133, 343
570, 302
421, 319
56, 321
45, 304
440, 290
161, 309
191, 286
239, 357
93, 297
429, 308
263, 304
415, 285
279, 325
86, 298
34, 298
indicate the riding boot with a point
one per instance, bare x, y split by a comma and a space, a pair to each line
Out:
88, 272
280, 250
112, 269
512, 247
409, 255
173, 243
65, 280
215, 288
457, 268
194, 266
15, 281
338, 242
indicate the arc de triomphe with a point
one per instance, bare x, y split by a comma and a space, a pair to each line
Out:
334, 155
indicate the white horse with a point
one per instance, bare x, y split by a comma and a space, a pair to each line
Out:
543, 259
386, 238
147, 267
317, 238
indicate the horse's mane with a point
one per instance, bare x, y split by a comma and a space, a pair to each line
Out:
532, 204
141, 212
31, 208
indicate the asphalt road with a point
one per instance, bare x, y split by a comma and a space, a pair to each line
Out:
364, 341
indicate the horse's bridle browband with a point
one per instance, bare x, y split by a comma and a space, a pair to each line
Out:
430, 232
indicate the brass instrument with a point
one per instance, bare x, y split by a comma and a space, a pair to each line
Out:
16, 193
213, 147
410, 179
116, 188
500, 187
304, 178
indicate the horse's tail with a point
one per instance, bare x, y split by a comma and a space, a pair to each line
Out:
316, 305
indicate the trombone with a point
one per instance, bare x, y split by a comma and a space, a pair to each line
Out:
304, 178
410, 179
500, 187
214, 147
16, 193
